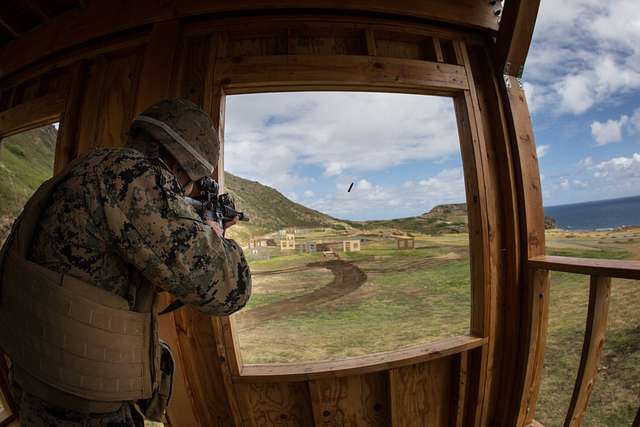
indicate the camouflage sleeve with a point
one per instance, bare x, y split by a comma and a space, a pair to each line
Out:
157, 232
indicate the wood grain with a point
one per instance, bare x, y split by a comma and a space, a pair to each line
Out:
623, 269
514, 36
103, 17
157, 70
350, 401
202, 362
276, 404
359, 365
287, 72
421, 394
117, 100
193, 71
504, 233
67, 142
181, 406
523, 380
38, 112
599, 291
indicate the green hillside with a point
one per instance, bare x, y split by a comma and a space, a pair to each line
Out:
270, 211
451, 218
26, 161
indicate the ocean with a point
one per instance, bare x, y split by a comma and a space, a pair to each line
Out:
601, 214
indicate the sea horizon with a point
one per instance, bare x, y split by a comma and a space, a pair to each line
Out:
597, 214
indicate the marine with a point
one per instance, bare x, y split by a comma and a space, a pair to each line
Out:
116, 221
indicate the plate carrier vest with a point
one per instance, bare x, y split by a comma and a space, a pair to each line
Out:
73, 344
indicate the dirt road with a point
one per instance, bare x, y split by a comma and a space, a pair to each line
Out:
347, 278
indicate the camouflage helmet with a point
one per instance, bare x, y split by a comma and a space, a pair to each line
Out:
186, 131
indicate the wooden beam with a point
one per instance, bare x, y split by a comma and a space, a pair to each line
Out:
8, 27
67, 142
359, 365
181, 410
287, 72
203, 367
533, 312
437, 47
481, 185
157, 69
38, 112
461, 367
371, 42
514, 35
622, 269
504, 241
35, 8
103, 17
599, 291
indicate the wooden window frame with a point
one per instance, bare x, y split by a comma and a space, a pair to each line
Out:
30, 115
287, 73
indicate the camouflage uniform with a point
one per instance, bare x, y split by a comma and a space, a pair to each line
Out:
119, 219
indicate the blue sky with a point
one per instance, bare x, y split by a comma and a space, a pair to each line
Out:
401, 151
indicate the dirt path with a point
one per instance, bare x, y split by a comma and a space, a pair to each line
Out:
347, 278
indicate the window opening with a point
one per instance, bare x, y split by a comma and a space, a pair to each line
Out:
26, 161
358, 235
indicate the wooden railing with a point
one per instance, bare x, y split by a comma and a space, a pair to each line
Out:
601, 272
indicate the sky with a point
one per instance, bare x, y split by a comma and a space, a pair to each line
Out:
582, 81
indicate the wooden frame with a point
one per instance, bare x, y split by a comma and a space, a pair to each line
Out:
368, 73
100, 18
202, 59
39, 112
601, 272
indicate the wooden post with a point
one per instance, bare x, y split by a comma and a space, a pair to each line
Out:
524, 380
157, 70
67, 143
599, 291
514, 36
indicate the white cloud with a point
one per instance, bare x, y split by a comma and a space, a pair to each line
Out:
584, 52
635, 121
609, 131
273, 137
616, 177
363, 184
542, 150
586, 162
575, 93
409, 198
538, 96
627, 166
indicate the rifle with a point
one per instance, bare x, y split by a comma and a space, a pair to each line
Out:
211, 206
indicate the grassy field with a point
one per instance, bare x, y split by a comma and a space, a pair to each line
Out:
616, 395
409, 297
415, 296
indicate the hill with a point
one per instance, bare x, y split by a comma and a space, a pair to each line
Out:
448, 218
26, 161
269, 210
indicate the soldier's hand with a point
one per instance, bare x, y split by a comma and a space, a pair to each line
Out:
231, 222
216, 228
